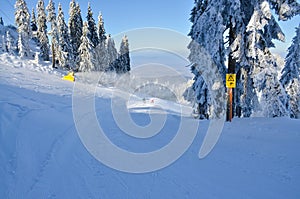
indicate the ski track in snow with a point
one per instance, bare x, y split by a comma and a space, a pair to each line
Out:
30, 107
49, 156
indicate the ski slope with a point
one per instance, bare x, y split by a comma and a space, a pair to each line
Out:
42, 156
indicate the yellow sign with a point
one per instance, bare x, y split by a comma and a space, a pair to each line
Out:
230, 80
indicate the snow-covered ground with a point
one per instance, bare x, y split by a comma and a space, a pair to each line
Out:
42, 156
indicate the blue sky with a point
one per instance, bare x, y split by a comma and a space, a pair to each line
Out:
121, 15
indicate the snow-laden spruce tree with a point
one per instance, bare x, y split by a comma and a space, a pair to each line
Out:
101, 57
199, 87
42, 30
1, 21
101, 53
33, 21
64, 46
231, 20
3, 43
124, 58
75, 30
53, 31
93, 33
255, 30
112, 54
101, 29
22, 19
272, 97
86, 52
257, 38
211, 38
201, 107
9, 43
291, 75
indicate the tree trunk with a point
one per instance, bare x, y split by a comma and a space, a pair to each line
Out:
231, 69
53, 55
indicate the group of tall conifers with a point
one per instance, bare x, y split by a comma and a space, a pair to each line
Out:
238, 36
79, 45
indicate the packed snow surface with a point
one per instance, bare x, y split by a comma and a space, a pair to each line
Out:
41, 155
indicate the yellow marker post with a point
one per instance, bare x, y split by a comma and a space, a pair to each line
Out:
230, 84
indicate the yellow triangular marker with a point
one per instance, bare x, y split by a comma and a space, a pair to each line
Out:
230, 80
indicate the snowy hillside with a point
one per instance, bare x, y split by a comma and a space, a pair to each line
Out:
42, 156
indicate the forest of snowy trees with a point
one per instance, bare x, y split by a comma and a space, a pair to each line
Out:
77, 45
238, 35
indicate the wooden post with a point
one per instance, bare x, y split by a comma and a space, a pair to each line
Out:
53, 55
230, 104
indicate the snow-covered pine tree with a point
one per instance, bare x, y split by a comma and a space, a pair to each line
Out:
86, 54
211, 38
21, 47
101, 53
101, 57
243, 51
64, 47
33, 21
199, 87
201, 107
269, 31
72, 34
291, 75
273, 99
75, 30
198, 10
3, 43
93, 33
123, 59
9, 43
22, 19
1, 21
53, 31
112, 54
42, 30
101, 29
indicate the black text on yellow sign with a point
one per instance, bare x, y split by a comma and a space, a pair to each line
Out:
230, 80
